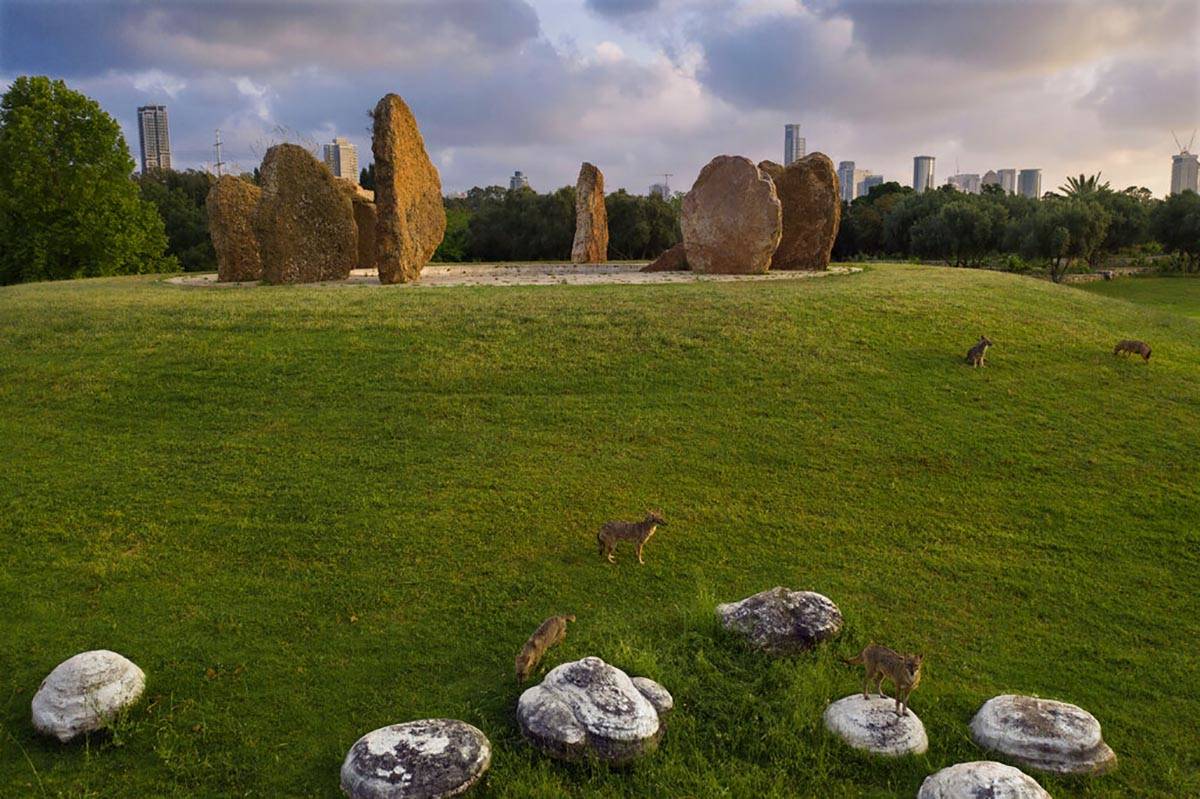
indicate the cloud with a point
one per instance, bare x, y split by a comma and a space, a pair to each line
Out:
621, 8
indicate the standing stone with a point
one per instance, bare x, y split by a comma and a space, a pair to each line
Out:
85, 692
426, 759
673, 260
981, 779
591, 218
812, 211
304, 221
230, 205
1043, 734
408, 194
588, 707
365, 217
781, 621
871, 725
732, 218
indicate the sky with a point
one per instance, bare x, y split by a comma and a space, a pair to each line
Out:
642, 88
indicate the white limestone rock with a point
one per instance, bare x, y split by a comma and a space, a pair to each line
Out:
781, 621
85, 692
587, 707
1043, 734
662, 700
423, 759
873, 726
981, 779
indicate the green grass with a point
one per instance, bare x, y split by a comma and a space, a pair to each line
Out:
1179, 295
308, 513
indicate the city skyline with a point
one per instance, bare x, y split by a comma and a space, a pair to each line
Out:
643, 88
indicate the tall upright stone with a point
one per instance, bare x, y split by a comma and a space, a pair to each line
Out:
304, 222
408, 194
732, 219
812, 211
230, 206
365, 217
591, 218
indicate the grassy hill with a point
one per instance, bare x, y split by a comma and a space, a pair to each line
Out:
311, 512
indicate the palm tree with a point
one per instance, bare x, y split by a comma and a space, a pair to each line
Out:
1084, 185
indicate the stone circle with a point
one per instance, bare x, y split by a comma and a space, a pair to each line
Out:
589, 708
981, 779
781, 621
1043, 734
423, 759
871, 725
83, 693
732, 219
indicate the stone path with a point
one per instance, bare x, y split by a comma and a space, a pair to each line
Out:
528, 275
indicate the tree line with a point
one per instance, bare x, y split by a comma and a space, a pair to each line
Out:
70, 207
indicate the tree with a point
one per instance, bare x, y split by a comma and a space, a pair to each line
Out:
1129, 220
180, 198
1084, 186
366, 177
640, 228
68, 207
962, 232
1176, 223
1061, 231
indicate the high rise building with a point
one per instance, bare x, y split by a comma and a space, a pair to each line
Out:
846, 185
1029, 183
1185, 172
793, 144
1008, 180
990, 178
965, 182
923, 173
153, 137
864, 186
518, 181
342, 158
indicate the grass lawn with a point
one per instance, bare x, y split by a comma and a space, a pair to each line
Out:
311, 512
1179, 295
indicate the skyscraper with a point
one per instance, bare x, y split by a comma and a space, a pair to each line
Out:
1185, 172
793, 144
518, 181
1008, 180
153, 137
965, 182
1029, 183
864, 186
923, 173
342, 158
990, 178
845, 173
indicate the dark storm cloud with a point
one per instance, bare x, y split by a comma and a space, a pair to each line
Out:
621, 8
74, 38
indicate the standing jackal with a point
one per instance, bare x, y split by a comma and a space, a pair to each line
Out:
612, 532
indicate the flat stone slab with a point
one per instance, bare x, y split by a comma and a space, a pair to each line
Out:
781, 621
872, 725
981, 779
1043, 734
417, 760
589, 708
83, 693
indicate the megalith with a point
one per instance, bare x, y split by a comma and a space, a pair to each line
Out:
732, 218
591, 219
230, 206
812, 211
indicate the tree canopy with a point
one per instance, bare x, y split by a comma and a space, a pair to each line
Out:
68, 207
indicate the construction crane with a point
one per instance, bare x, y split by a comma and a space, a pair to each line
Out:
1183, 149
219, 163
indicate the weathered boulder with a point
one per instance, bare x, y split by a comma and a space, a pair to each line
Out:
673, 260
408, 194
591, 218
83, 693
417, 760
732, 218
304, 222
873, 726
812, 211
1043, 734
230, 205
981, 779
587, 707
781, 621
365, 217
